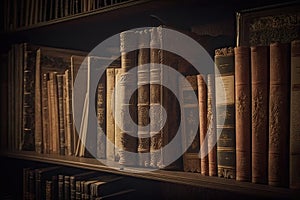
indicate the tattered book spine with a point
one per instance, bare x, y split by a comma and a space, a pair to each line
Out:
190, 117
128, 99
278, 115
143, 103
110, 121
295, 116
243, 113
202, 98
45, 114
211, 126
101, 117
61, 113
260, 110
225, 112
27, 142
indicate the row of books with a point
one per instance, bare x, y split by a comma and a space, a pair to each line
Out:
254, 143
18, 14
56, 182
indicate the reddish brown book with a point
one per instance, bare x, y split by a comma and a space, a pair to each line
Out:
211, 126
202, 98
295, 116
243, 113
278, 115
61, 113
260, 109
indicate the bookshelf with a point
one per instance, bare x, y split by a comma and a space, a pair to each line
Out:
97, 25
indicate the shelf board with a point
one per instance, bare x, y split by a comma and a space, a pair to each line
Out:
177, 177
106, 9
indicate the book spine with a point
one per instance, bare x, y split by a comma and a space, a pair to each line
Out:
101, 117
127, 99
116, 115
190, 116
26, 183
49, 190
172, 110
45, 114
143, 99
260, 109
155, 99
295, 115
202, 98
243, 113
225, 112
110, 121
211, 126
38, 184
278, 115
52, 88
67, 188
61, 114
31, 184
37, 109
68, 113
61, 187
28, 100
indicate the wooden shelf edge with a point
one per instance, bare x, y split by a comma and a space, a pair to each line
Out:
109, 8
177, 177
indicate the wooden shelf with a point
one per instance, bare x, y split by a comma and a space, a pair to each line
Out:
177, 177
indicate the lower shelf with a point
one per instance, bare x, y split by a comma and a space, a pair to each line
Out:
177, 177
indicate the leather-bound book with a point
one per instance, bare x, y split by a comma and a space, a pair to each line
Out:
45, 114
260, 110
27, 141
143, 102
243, 113
101, 117
225, 111
295, 116
128, 98
61, 114
279, 114
190, 117
155, 112
202, 98
211, 126
69, 126
110, 120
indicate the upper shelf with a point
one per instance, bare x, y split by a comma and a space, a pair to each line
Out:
185, 178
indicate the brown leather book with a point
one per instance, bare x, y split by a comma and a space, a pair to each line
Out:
128, 99
295, 116
45, 114
211, 126
143, 104
69, 127
155, 99
260, 110
243, 113
225, 112
278, 115
28, 100
190, 116
61, 114
202, 98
